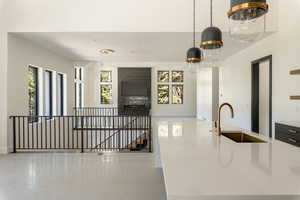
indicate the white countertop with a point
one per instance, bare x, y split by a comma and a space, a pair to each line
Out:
197, 164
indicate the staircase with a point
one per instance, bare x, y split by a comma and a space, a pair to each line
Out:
127, 138
139, 144
90, 129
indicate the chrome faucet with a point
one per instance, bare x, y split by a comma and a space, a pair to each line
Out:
219, 131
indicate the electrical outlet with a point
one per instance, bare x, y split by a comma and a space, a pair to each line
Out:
297, 109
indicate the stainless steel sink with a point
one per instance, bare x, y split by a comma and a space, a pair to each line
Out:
240, 137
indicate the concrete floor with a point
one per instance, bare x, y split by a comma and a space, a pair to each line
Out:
74, 176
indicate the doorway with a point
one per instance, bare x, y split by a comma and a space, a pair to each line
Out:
134, 88
261, 98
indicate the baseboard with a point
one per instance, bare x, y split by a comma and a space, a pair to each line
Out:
4, 150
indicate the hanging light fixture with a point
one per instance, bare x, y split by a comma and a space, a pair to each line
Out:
194, 54
247, 19
211, 40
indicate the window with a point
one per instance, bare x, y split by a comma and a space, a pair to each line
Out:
79, 94
175, 83
177, 76
33, 93
60, 94
80, 104
105, 88
177, 94
163, 76
48, 93
163, 94
106, 94
80, 74
79, 86
105, 76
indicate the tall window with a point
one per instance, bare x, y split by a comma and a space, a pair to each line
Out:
33, 92
79, 86
48, 93
167, 81
106, 87
60, 94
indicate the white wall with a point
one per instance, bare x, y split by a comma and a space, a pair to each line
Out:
207, 93
22, 53
187, 109
92, 85
3, 91
235, 74
264, 103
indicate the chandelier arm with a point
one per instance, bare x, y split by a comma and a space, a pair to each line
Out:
211, 14
194, 23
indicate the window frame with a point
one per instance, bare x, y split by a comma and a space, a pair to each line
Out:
170, 85
51, 72
79, 86
80, 91
37, 93
62, 90
106, 83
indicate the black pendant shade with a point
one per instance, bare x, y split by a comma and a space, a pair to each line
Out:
247, 9
211, 38
193, 55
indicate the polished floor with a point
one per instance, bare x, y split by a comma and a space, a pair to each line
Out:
56, 176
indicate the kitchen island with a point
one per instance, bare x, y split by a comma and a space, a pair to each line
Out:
198, 164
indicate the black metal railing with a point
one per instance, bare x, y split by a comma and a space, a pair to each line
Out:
134, 135
109, 132
110, 111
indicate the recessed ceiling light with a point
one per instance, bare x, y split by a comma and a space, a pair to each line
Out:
106, 51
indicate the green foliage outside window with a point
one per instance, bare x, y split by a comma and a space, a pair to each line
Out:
163, 94
106, 94
32, 92
177, 94
105, 76
163, 76
177, 76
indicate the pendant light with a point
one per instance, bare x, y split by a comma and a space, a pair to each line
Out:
194, 54
247, 19
211, 40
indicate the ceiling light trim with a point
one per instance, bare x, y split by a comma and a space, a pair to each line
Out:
106, 51
262, 5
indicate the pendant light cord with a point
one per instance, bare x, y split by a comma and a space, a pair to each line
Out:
211, 14
194, 23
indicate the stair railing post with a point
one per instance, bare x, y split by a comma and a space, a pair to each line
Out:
150, 133
82, 147
14, 135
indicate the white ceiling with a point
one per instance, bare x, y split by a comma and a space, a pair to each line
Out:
117, 15
138, 30
129, 47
